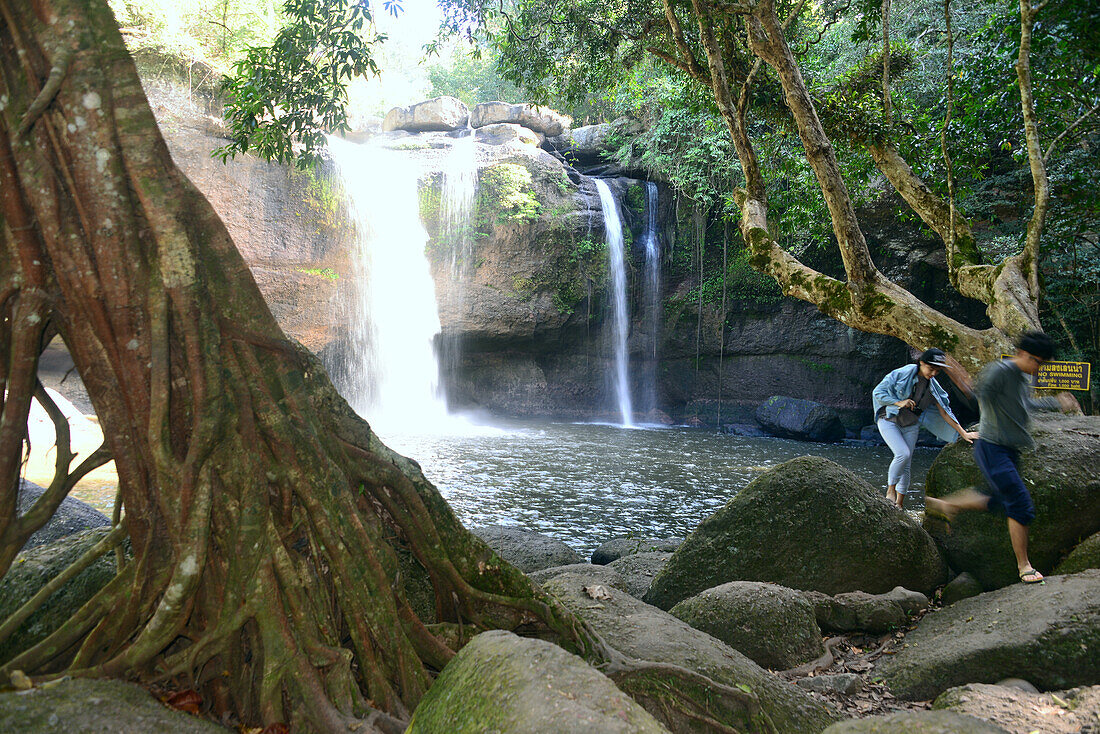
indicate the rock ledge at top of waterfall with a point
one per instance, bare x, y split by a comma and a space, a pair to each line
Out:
448, 113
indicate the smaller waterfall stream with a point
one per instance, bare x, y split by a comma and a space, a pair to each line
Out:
652, 242
613, 229
456, 235
392, 370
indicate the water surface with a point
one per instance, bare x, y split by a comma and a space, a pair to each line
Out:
585, 483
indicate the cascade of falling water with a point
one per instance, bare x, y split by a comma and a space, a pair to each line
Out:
455, 231
613, 230
392, 373
652, 297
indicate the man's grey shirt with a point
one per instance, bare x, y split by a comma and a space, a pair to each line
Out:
1004, 399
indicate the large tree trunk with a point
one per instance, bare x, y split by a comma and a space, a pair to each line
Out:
265, 516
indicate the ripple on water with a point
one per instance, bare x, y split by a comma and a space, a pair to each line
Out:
585, 483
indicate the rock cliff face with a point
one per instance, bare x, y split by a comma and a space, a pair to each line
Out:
524, 305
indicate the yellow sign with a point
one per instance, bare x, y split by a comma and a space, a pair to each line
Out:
1063, 376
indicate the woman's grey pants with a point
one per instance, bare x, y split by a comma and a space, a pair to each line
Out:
901, 441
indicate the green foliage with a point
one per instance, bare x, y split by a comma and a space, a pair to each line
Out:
743, 283
283, 98
473, 78
505, 194
212, 33
326, 273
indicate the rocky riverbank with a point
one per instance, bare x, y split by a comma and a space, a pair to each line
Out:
808, 592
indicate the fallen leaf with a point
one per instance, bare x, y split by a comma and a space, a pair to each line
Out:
276, 728
20, 681
598, 592
189, 701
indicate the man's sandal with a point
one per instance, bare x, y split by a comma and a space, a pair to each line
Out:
1031, 576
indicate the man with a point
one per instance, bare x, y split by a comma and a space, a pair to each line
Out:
1004, 399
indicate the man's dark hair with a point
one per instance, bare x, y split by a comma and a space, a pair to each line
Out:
1037, 343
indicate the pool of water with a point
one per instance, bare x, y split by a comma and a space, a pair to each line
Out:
585, 483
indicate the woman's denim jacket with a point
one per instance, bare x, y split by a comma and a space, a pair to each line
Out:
898, 385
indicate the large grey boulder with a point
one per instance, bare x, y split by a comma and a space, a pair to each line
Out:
638, 570
71, 516
803, 420
1062, 712
500, 682
1062, 474
1085, 555
95, 706
1047, 633
33, 569
440, 113
526, 549
645, 632
772, 625
805, 524
540, 119
598, 574
500, 133
916, 722
616, 548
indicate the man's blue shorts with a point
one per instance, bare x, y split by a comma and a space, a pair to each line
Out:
1009, 495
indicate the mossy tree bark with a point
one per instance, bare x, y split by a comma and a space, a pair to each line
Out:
265, 517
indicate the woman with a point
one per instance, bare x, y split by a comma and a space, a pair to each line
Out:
903, 403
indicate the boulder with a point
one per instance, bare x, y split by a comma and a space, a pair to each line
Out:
440, 113
638, 570
500, 133
1062, 474
641, 631
525, 549
1085, 555
33, 569
803, 420
597, 574
910, 602
1046, 633
805, 524
772, 625
962, 586
874, 613
540, 119
94, 706
616, 548
72, 516
916, 722
748, 430
1063, 712
500, 682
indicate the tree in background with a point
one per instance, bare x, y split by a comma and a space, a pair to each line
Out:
741, 54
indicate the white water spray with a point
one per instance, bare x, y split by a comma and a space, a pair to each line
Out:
393, 373
613, 229
456, 236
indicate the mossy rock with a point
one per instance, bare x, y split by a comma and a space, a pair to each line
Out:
772, 625
500, 682
644, 632
1084, 556
90, 706
806, 524
1048, 634
33, 569
916, 722
1062, 474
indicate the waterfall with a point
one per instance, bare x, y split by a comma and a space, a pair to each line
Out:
652, 242
455, 234
613, 229
391, 374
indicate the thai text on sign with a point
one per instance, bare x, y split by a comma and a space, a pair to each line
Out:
1063, 376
